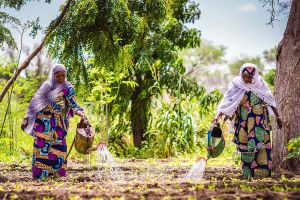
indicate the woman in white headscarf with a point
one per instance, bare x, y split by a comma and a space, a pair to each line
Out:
248, 104
47, 119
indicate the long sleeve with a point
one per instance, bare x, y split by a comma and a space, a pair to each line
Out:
230, 101
69, 92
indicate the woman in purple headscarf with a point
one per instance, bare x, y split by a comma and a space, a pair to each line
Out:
47, 119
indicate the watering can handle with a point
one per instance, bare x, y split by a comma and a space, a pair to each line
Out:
209, 138
85, 121
210, 133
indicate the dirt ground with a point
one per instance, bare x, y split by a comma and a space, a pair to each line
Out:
143, 179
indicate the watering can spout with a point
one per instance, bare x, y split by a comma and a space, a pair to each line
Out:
100, 145
201, 158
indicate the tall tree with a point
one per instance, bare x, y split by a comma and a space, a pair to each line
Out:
153, 31
157, 60
287, 90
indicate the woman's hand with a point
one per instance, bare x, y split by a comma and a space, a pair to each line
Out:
215, 120
82, 115
24, 123
61, 94
279, 122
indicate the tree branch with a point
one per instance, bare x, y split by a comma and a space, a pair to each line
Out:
276, 7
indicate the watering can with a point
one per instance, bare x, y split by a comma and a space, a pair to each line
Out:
84, 137
213, 150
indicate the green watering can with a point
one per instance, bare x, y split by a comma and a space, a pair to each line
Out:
214, 133
213, 150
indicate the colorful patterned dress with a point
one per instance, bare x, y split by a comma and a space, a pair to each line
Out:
252, 136
50, 128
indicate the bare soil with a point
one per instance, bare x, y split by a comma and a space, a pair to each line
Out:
144, 179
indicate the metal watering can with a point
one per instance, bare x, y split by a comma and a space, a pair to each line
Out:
214, 150
84, 138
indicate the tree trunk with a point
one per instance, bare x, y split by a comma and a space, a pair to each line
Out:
139, 113
287, 91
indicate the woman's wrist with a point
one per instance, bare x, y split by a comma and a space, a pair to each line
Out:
80, 113
83, 115
217, 116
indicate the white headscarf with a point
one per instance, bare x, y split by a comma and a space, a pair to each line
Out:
235, 94
48, 91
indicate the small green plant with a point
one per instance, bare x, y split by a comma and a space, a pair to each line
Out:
191, 198
294, 148
247, 188
237, 158
212, 187
48, 198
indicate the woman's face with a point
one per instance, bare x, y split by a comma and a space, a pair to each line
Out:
247, 78
60, 77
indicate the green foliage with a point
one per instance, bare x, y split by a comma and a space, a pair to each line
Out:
5, 34
97, 28
16, 4
293, 147
101, 29
25, 86
135, 42
6, 70
14, 146
237, 158
34, 25
269, 77
175, 132
6, 19
179, 125
121, 56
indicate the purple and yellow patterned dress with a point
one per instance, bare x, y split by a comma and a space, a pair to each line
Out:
252, 136
50, 129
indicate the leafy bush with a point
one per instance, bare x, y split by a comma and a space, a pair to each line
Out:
294, 148
174, 132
